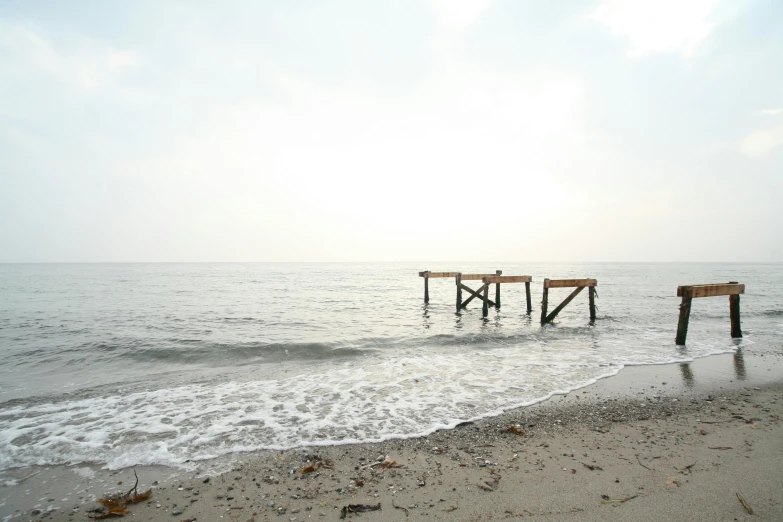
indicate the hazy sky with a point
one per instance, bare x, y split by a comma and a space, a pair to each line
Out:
596, 130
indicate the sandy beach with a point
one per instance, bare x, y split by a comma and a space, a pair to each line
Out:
701, 441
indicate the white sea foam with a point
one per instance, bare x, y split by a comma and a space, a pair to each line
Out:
400, 396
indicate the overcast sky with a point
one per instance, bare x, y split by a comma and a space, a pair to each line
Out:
595, 130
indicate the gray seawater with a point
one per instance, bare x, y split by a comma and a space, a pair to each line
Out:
130, 364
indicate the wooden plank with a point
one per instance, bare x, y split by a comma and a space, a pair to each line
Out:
507, 279
564, 303
569, 283
475, 277
438, 274
712, 290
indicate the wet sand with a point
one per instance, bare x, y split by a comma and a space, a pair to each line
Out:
651, 443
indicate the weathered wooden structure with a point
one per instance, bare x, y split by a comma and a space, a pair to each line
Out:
690, 292
427, 275
459, 278
497, 280
580, 285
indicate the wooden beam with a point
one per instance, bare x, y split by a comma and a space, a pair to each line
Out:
564, 303
544, 302
475, 277
438, 274
484, 309
592, 303
507, 279
712, 290
527, 298
568, 283
473, 294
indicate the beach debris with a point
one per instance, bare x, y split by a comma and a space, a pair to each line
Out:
642, 465
358, 508
592, 468
518, 431
116, 511
318, 464
687, 468
744, 504
118, 503
606, 500
450, 509
673, 480
400, 507
720, 447
385, 463
485, 487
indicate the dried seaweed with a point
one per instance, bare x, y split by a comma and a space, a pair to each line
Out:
117, 511
744, 504
118, 503
318, 464
516, 430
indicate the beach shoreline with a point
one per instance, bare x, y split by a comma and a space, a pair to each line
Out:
680, 439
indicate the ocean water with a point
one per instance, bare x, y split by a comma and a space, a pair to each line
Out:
132, 364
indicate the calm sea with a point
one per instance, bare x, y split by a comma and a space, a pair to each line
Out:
127, 364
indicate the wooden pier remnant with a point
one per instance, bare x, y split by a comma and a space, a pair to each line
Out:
689, 292
474, 293
427, 275
497, 280
580, 284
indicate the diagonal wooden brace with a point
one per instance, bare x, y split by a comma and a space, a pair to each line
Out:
564, 303
473, 295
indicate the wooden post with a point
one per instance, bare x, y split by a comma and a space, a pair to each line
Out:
592, 303
685, 314
734, 313
426, 287
544, 301
459, 291
497, 290
732, 289
484, 309
527, 296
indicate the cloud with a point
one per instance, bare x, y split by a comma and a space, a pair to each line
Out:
655, 26
454, 17
771, 112
25, 51
761, 142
